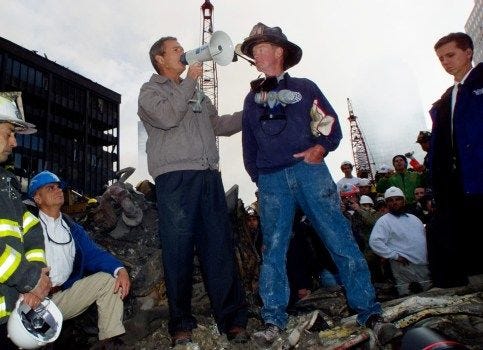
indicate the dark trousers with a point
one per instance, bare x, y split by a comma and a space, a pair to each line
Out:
193, 218
5, 343
453, 237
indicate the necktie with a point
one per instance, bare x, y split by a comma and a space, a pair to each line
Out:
458, 90
453, 143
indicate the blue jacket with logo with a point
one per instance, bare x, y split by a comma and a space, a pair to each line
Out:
269, 145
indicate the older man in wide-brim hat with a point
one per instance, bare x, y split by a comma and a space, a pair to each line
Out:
261, 33
289, 127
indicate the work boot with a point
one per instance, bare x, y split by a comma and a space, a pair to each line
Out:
267, 336
114, 343
383, 331
415, 287
181, 338
237, 335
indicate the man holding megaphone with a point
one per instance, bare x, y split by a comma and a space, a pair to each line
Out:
182, 125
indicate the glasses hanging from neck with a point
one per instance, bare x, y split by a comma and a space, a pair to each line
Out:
49, 237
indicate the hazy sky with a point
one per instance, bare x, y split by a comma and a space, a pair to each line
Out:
348, 49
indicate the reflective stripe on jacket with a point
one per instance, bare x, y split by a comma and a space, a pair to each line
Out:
22, 253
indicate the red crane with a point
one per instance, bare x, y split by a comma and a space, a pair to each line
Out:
359, 148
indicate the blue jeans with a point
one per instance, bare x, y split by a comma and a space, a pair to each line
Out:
311, 187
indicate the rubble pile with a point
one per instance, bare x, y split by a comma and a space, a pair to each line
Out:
124, 221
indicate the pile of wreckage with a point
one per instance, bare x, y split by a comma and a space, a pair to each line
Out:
124, 221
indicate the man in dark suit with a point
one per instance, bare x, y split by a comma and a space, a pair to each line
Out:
456, 163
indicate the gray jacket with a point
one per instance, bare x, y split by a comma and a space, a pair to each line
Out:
179, 138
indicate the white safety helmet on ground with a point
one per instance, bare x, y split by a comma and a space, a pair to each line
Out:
32, 328
366, 200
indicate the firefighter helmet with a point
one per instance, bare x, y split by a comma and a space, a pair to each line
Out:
11, 111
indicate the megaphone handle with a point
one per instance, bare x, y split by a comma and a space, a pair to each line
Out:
197, 101
195, 71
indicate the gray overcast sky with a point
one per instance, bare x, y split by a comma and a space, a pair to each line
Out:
347, 45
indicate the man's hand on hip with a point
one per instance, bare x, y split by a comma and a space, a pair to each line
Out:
312, 155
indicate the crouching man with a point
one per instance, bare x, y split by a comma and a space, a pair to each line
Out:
81, 272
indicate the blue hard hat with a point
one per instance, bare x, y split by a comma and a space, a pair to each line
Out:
41, 179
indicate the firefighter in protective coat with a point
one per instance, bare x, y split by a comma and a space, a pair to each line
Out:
23, 268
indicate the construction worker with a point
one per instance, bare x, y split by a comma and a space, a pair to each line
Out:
23, 270
424, 140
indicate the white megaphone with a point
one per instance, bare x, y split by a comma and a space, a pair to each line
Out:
220, 49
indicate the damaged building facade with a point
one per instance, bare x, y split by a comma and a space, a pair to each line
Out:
77, 121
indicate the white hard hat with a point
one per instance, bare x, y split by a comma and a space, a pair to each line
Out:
251, 211
346, 162
32, 328
384, 169
364, 182
393, 191
366, 200
11, 111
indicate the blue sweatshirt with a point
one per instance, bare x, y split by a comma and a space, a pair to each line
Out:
269, 143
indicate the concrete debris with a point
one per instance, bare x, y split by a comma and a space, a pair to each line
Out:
124, 221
